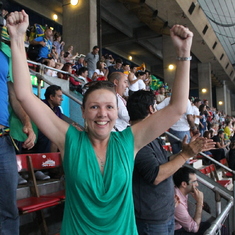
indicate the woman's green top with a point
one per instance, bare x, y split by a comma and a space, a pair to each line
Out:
96, 203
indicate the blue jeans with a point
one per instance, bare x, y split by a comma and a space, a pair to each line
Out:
9, 219
175, 144
156, 229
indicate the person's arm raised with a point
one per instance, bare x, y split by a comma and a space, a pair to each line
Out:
52, 126
153, 126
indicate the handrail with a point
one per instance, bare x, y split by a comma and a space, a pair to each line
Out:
42, 67
41, 77
216, 224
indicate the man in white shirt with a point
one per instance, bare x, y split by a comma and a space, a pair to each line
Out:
121, 82
181, 127
196, 113
133, 81
141, 76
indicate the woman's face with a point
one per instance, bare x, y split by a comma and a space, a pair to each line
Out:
100, 113
70, 70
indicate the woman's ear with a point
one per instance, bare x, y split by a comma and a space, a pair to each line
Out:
151, 109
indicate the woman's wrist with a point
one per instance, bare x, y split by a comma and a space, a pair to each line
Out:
184, 58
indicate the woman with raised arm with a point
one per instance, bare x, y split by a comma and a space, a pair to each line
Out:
98, 163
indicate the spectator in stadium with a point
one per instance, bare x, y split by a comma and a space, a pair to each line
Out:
108, 59
196, 114
59, 45
221, 149
161, 95
126, 68
9, 219
82, 74
53, 64
54, 53
71, 57
67, 67
91, 59
147, 80
141, 76
117, 67
101, 157
79, 63
185, 180
214, 128
180, 128
46, 46
74, 84
153, 188
61, 57
133, 81
203, 123
53, 99
101, 72
121, 84
228, 130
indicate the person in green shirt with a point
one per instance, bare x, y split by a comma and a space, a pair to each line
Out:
9, 219
98, 164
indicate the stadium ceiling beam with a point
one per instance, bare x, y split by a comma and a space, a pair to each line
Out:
113, 20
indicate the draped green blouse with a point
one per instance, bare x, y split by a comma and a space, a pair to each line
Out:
96, 203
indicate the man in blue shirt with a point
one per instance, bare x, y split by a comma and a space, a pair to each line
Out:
46, 46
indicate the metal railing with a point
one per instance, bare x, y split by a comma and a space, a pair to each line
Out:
40, 76
221, 216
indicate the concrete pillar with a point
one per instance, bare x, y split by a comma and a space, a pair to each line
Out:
80, 25
204, 82
221, 98
228, 103
169, 56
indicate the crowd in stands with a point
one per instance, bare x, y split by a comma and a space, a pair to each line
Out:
47, 47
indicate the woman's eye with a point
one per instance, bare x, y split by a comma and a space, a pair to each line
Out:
110, 107
94, 107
